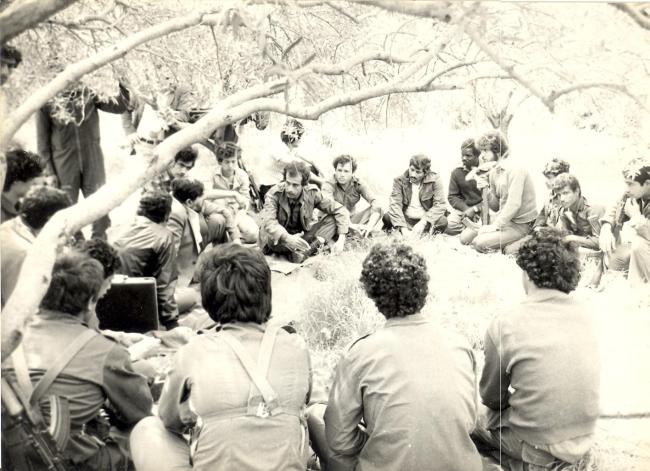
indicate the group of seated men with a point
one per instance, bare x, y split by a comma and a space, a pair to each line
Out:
240, 395
491, 198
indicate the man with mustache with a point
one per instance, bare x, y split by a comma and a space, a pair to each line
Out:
417, 202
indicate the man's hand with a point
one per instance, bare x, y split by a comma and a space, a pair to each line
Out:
295, 243
470, 212
632, 208
339, 244
606, 242
482, 181
241, 201
418, 229
131, 140
488, 228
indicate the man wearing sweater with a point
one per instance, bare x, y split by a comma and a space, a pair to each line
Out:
541, 377
463, 196
511, 193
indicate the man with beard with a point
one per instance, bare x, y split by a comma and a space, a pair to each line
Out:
417, 202
463, 194
287, 217
346, 188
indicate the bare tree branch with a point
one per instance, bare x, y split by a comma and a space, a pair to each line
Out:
423, 8
75, 71
638, 16
20, 16
553, 96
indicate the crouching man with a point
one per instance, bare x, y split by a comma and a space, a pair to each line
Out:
541, 378
404, 397
417, 202
287, 217
633, 209
90, 371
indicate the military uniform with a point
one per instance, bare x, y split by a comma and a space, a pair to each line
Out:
99, 375
350, 195
413, 389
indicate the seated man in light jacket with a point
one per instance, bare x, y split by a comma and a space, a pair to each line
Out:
404, 397
541, 379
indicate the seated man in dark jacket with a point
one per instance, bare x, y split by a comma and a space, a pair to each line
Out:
98, 375
417, 202
147, 249
287, 217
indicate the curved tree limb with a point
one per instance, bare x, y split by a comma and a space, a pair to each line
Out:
21, 15
639, 18
75, 71
553, 96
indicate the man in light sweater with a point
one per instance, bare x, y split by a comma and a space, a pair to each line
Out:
417, 202
511, 193
541, 377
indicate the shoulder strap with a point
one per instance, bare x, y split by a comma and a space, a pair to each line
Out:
58, 365
253, 371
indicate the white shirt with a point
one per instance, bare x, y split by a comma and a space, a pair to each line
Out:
415, 209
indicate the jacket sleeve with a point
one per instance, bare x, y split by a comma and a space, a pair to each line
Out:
594, 216
127, 391
340, 212
44, 140
395, 204
641, 226
369, 196
344, 412
514, 198
175, 224
328, 190
494, 380
173, 407
454, 197
439, 207
117, 104
269, 217
166, 280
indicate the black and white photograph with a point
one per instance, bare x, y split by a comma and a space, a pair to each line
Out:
325, 235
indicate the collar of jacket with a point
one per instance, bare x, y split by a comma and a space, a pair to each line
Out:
537, 295
429, 177
51, 315
418, 318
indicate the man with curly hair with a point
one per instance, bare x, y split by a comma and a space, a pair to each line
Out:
404, 397
463, 195
18, 234
147, 248
511, 193
541, 378
23, 169
417, 202
10, 58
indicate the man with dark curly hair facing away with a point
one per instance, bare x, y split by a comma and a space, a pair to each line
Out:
404, 397
541, 377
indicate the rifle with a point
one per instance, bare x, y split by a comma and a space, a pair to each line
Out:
27, 443
256, 196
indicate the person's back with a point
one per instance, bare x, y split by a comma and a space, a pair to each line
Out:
404, 397
419, 403
232, 437
550, 349
100, 371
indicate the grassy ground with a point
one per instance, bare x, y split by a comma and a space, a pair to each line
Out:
330, 310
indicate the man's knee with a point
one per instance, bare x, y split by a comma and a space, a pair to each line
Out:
482, 244
440, 225
467, 236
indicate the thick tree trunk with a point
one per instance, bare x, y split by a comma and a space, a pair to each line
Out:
21, 15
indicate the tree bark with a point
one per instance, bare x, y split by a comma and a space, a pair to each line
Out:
22, 15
